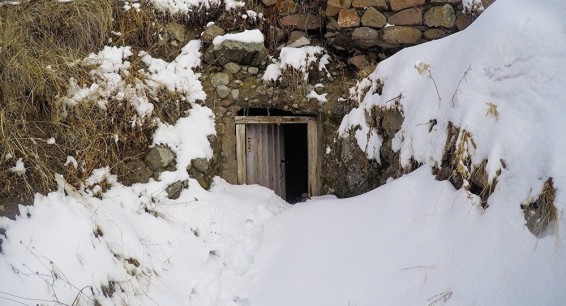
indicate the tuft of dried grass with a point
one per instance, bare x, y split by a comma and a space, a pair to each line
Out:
457, 168
541, 212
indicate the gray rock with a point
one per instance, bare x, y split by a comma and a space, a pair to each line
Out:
177, 31
137, 172
253, 70
159, 158
232, 67
235, 94
219, 79
222, 91
200, 164
211, 32
365, 37
252, 54
301, 42
174, 190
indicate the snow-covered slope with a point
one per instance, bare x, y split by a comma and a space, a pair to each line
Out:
413, 241
502, 80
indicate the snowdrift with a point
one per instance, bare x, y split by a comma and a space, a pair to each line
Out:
413, 241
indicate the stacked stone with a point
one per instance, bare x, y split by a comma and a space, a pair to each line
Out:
367, 24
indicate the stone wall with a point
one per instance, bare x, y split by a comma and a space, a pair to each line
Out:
366, 31
358, 34
390, 25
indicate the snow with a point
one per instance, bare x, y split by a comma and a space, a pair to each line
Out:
247, 36
298, 59
187, 6
19, 168
112, 81
519, 74
403, 244
321, 98
71, 161
413, 241
177, 75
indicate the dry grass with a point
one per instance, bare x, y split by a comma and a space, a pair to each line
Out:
39, 38
492, 110
41, 45
541, 213
457, 168
37, 41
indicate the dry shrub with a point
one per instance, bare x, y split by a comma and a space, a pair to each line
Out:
457, 168
541, 212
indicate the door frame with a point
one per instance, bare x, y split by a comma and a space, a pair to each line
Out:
313, 145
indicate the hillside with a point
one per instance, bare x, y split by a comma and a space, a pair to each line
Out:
475, 216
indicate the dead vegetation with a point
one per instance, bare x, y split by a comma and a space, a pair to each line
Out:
42, 44
541, 213
457, 168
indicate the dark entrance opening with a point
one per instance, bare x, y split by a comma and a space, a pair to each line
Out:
296, 162
279, 150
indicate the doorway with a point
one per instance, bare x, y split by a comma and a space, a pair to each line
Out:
280, 153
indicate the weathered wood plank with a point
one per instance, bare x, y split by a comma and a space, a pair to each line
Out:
312, 139
264, 157
241, 152
251, 152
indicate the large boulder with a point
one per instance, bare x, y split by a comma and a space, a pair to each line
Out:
248, 54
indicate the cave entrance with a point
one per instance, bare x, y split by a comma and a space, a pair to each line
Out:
280, 153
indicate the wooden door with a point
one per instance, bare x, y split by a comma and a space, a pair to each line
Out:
260, 145
264, 156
